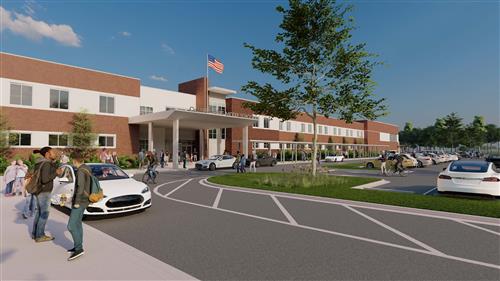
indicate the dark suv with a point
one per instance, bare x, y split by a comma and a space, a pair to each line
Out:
264, 160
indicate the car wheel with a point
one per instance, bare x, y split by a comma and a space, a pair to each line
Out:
420, 164
273, 164
434, 162
235, 165
212, 167
370, 165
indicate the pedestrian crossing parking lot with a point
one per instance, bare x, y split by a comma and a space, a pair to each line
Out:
217, 232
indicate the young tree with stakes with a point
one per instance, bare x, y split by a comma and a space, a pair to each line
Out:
320, 70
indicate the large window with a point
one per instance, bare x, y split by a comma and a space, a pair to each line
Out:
289, 126
255, 122
106, 104
221, 109
326, 130
303, 128
58, 140
267, 145
146, 110
21, 94
212, 133
106, 141
266, 123
223, 133
334, 131
59, 99
212, 108
281, 125
309, 128
320, 129
20, 139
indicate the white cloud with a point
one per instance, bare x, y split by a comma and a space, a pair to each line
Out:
158, 78
125, 33
36, 30
165, 47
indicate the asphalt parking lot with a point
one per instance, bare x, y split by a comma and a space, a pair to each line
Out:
214, 233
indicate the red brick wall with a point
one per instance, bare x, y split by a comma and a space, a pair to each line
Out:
127, 136
33, 70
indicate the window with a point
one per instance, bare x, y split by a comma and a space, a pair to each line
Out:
212, 133
58, 140
212, 108
223, 133
221, 109
143, 145
326, 130
146, 110
59, 99
267, 145
281, 125
303, 128
266, 123
309, 128
20, 139
256, 122
320, 129
106, 141
106, 104
352, 133
334, 131
288, 126
21, 94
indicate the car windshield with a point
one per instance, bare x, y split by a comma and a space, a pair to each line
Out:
469, 167
108, 172
215, 157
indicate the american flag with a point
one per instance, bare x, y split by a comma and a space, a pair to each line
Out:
215, 64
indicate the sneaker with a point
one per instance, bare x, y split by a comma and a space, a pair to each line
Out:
44, 238
71, 250
76, 254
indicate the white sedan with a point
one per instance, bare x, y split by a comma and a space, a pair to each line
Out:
478, 177
122, 193
334, 158
216, 162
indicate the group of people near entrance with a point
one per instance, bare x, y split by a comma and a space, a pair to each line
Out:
241, 162
37, 204
163, 157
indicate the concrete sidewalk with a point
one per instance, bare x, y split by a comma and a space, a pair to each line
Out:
106, 258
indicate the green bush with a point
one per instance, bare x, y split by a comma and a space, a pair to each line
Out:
3, 164
128, 162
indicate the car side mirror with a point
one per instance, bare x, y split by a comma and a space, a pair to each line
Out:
64, 179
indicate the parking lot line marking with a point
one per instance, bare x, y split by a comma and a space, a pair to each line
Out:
177, 188
429, 191
442, 255
478, 227
386, 208
217, 199
284, 211
407, 237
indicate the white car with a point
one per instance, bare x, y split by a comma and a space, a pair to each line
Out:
334, 158
423, 160
479, 177
216, 162
413, 160
435, 158
122, 193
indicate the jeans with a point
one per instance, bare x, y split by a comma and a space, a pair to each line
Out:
29, 205
383, 168
75, 226
42, 203
8, 187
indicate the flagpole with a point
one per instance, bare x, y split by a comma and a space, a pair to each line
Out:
206, 100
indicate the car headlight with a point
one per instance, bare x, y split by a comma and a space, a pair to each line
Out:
146, 189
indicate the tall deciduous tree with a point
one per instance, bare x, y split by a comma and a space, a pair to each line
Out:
82, 137
452, 123
319, 69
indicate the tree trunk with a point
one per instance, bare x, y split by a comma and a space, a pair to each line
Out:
315, 141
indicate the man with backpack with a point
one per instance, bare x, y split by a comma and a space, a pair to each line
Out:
83, 189
46, 171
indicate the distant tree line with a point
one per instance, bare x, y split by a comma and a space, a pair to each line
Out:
451, 132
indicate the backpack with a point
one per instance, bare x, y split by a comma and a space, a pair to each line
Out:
96, 193
32, 180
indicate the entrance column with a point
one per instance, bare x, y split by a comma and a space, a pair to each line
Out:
244, 140
175, 143
218, 132
150, 137
202, 145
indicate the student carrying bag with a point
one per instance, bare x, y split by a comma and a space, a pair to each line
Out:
96, 193
32, 182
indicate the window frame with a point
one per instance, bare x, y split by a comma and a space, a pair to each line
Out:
144, 110
268, 121
19, 138
107, 104
59, 92
106, 139
21, 94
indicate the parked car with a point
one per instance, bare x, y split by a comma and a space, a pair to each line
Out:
375, 163
411, 158
423, 160
122, 193
216, 162
334, 158
494, 159
435, 158
264, 160
479, 177
453, 157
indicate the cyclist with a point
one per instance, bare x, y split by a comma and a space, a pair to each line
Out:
152, 164
399, 165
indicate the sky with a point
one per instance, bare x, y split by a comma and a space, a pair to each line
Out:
439, 56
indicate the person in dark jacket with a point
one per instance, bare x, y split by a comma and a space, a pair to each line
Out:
79, 204
48, 172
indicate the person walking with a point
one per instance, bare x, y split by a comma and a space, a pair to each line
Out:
9, 176
114, 158
162, 158
238, 159
243, 163
184, 159
167, 158
140, 157
48, 172
21, 170
383, 165
195, 156
103, 156
79, 204
253, 162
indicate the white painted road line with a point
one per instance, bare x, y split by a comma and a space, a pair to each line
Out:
284, 211
217, 199
175, 189
372, 185
478, 227
407, 237
338, 233
430, 190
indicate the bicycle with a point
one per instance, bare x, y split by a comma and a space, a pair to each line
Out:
394, 170
149, 176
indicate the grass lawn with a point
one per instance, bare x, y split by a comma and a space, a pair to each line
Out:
351, 166
340, 188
